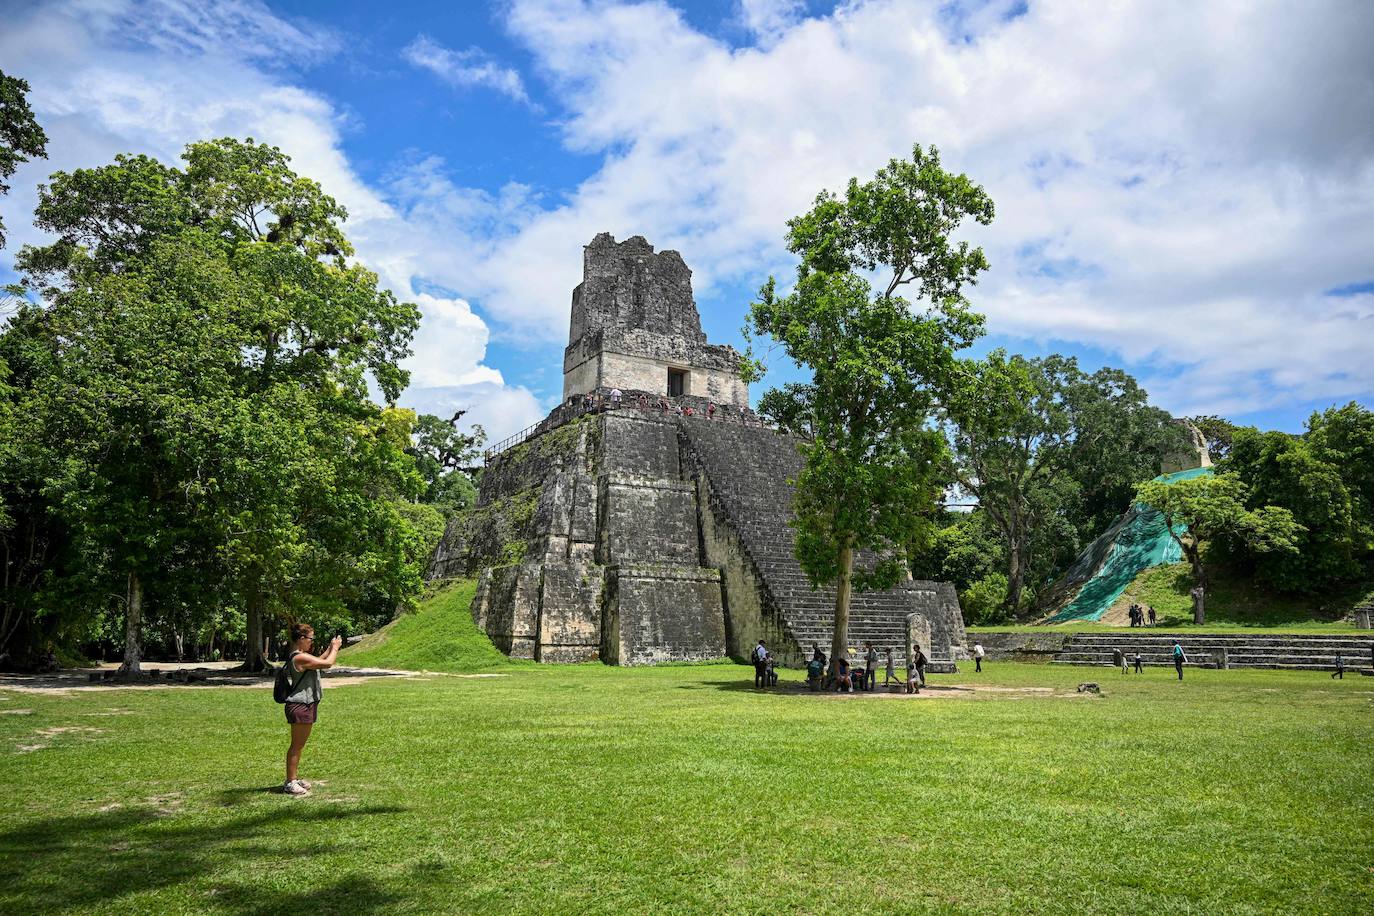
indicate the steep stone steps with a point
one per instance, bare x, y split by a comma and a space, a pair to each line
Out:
749, 472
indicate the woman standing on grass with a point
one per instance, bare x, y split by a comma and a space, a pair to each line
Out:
303, 703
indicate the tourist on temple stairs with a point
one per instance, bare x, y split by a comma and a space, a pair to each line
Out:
303, 700
978, 654
760, 665
616, 395
1179, 660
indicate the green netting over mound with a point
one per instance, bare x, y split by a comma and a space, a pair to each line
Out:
1135, 541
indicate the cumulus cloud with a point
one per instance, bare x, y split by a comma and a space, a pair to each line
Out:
117, 76
768, 19
466, 69
1176, 184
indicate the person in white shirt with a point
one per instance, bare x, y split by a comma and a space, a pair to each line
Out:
760, 665
616, 395
978, 656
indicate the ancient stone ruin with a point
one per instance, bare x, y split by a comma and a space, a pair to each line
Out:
654, 526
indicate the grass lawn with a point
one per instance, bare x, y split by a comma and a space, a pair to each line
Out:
681, 789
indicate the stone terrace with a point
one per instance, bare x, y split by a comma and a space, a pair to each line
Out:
1299, 652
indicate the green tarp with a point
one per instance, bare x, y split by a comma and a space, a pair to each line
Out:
1135, 542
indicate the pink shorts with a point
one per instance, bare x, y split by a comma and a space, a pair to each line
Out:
301, 713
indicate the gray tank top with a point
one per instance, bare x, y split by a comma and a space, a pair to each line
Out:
305, 685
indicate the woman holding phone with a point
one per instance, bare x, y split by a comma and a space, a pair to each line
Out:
302, 705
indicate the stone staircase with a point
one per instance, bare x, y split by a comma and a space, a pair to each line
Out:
1296, 652
747, 470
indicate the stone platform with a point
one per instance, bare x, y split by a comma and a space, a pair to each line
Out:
637, 536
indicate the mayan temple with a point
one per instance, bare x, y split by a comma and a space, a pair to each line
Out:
653, 526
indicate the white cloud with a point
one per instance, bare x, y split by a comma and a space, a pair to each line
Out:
1176, 183
768, 19
465, 69
102, 86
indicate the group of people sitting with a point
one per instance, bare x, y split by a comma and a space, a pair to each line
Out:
1138, 614
840, 675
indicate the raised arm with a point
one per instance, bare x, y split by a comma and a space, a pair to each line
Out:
304, 661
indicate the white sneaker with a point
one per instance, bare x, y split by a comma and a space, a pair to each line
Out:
293, 787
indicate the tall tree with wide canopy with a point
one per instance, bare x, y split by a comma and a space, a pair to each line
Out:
300, 467
874, 463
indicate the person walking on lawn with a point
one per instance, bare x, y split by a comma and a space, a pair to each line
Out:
978, 656
303, 703
1340, 667
1179, 660
1139, 669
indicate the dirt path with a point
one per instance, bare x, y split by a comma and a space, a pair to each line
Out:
217, 675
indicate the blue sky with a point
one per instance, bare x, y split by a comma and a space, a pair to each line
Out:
1183, 190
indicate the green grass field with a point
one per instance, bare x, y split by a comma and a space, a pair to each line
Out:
681, 789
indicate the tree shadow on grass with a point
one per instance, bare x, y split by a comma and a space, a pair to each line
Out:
90, 861
799, 689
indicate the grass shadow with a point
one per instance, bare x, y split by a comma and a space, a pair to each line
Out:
91, 861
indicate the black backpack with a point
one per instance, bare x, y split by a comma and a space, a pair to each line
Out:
283, 685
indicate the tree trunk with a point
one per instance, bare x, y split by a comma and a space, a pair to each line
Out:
253, 657
839, 645
1199, 592
133, 626
1016, 577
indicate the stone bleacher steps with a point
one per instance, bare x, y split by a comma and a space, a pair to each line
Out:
748, 469
1298, 652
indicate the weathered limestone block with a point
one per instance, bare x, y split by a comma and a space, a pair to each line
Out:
570, 612
657, 614
507, 607
648, 521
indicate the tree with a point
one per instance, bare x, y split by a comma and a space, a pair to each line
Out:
444, 456
1343, 437
1052, 454
20, 134
874, 465
1200, 510
219, 300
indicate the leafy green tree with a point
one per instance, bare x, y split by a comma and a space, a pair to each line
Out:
20, 134
1052, 454
874, 465
1285, 470
1201, 510
280, 460
445, 455
1343, 437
